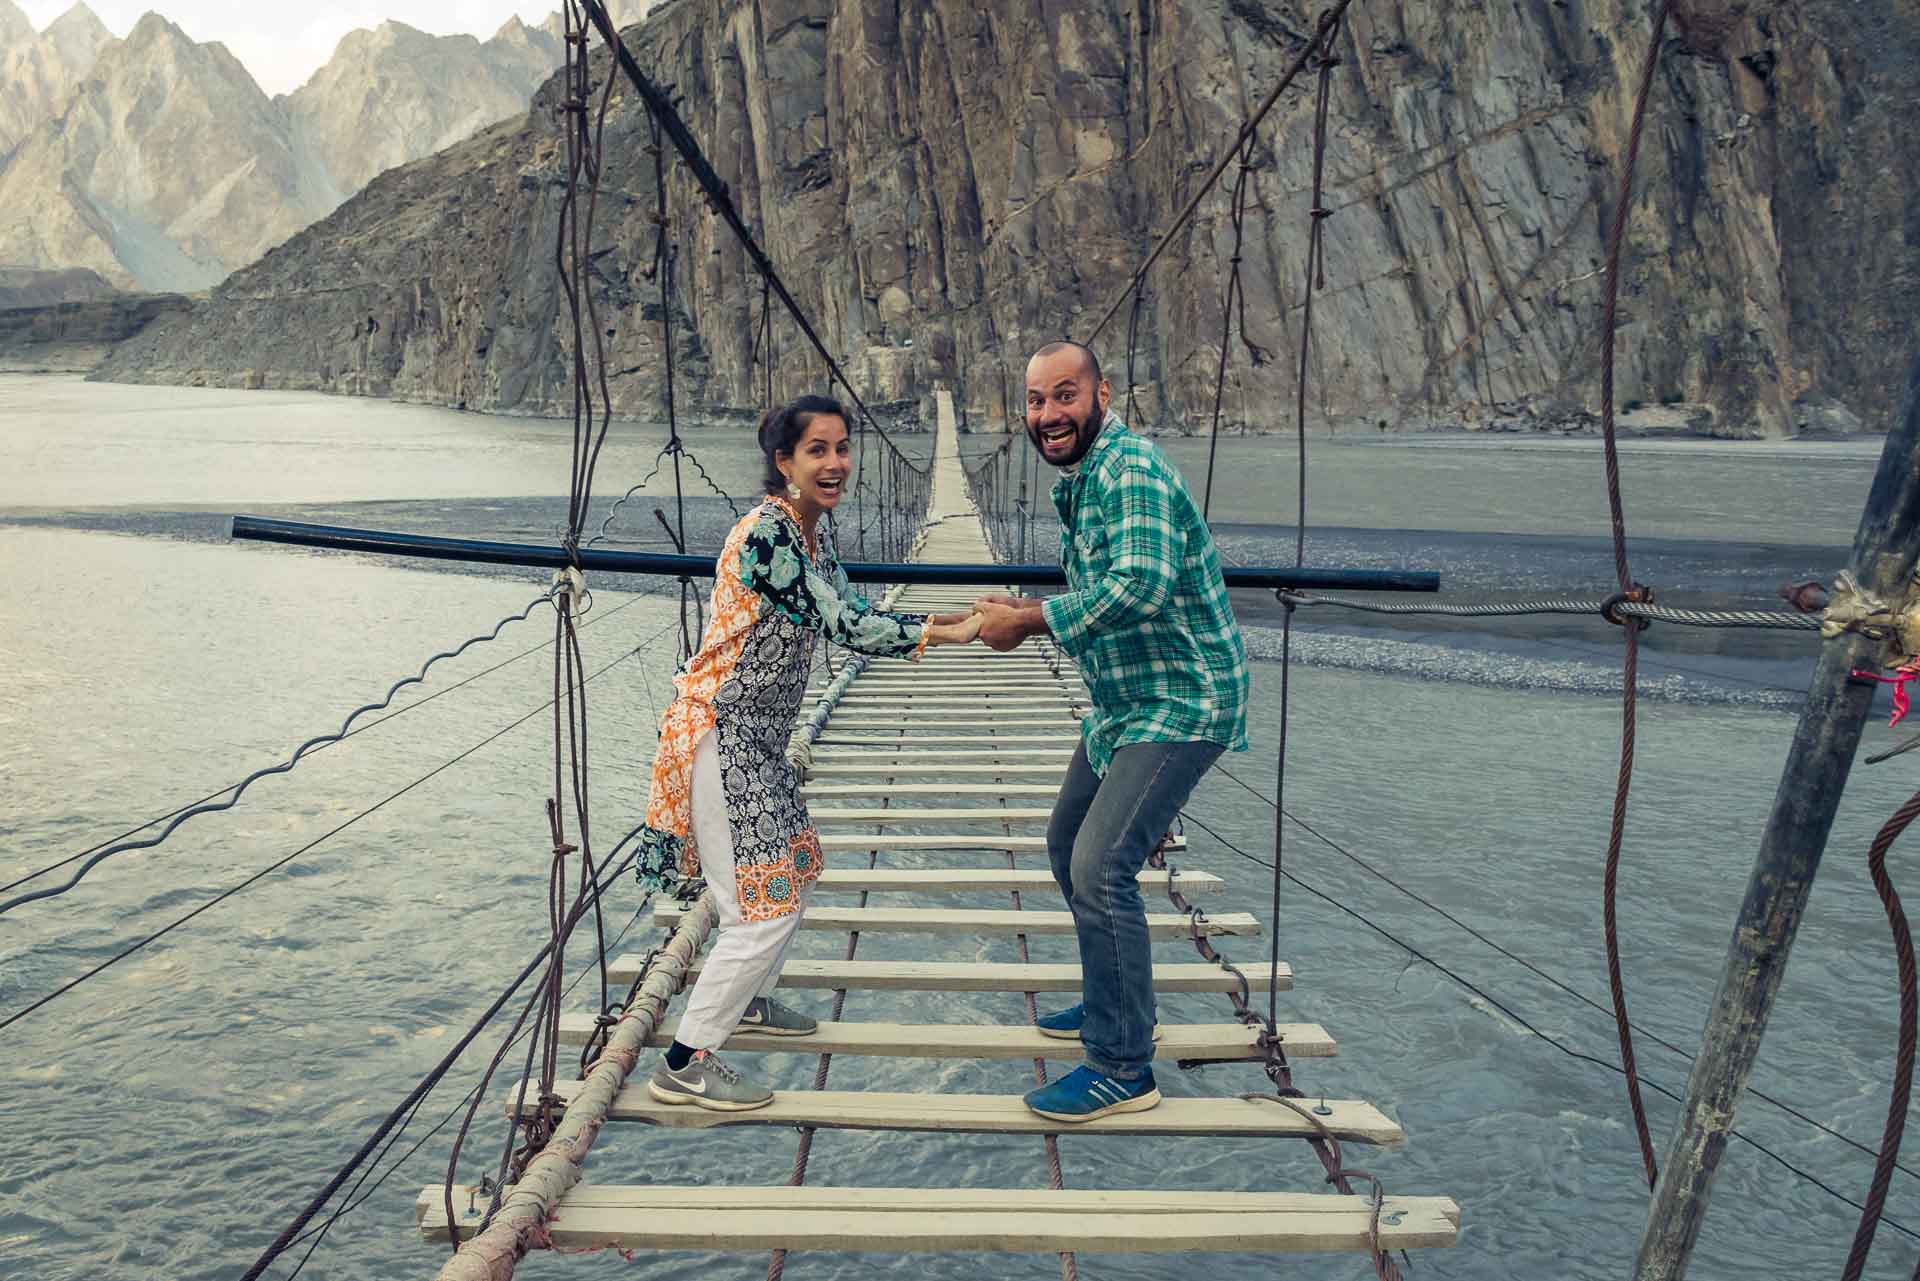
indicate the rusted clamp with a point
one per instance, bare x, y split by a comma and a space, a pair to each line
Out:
1638, 594
1894, 624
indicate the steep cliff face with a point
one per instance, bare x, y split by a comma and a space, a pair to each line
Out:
948, 184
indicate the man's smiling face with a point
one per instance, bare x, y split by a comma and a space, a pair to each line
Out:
1066, 403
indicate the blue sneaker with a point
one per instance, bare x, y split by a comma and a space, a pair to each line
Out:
1064, 1025
1085, 1095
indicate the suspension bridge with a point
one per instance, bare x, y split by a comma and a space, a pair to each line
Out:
940, 777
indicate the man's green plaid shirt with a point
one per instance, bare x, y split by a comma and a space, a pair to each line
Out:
1146, 614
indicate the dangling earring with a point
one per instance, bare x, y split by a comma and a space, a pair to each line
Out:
793, 490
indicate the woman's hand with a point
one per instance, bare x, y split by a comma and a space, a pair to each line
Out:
960, 633
1011, 602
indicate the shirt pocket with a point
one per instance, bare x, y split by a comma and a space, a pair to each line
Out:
1090, 548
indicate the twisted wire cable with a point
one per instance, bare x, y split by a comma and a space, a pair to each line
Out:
239, 789
1780, 620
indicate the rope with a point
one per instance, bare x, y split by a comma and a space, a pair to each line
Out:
355, 1197
1902, 1093
1629, 592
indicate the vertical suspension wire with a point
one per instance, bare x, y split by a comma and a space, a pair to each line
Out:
1629, 590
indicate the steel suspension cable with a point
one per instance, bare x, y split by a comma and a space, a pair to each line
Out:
1629, 591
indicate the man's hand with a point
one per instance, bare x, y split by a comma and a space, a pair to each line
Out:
1002, 627
1000, 598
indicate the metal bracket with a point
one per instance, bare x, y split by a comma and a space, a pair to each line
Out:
1896, 625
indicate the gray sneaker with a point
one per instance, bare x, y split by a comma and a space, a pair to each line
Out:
767, 1016
707, 1082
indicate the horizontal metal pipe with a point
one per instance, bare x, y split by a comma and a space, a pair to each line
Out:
601, 560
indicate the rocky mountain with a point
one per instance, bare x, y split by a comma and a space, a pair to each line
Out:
39, 69
946, 185
168, 168
159, 163
25, 287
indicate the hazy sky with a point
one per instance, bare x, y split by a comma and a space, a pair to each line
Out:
283, 44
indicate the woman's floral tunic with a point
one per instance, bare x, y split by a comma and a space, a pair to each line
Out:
745, 685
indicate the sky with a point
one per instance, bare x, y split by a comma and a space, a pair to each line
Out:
283, 44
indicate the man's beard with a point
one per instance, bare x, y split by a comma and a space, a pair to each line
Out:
1084, 432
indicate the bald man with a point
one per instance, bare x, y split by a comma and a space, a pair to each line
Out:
1147, 620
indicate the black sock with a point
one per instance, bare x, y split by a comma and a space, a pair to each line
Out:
678, 1056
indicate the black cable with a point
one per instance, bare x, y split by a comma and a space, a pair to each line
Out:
280, 863
373, 724
354, 1198
239, 789
1555, 1042
1524, 963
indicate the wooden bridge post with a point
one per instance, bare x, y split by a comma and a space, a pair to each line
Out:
1884, 554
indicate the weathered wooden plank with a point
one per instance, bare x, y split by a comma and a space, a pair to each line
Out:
842, 738
972, 841
958, 705
813, 789
1213, 1042
941, 920
1351, 1120
893, 767
908, 751
897, 1220
981, 721
980, 976
907, 817
989, 880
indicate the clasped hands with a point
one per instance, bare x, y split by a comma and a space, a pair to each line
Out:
999, 622
1005, 621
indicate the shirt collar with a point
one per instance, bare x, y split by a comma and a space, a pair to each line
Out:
1070, 476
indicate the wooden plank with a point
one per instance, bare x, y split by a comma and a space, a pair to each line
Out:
989, 880
893, 767
905, 750
972, 841
1212, 1042
841, 738
813, 789
907, 817
1022, 1220
937, 684
1004, 920
978, 976
980, 721
955, 705
984, 842
1350, 1120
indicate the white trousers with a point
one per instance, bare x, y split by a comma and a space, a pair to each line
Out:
745, 962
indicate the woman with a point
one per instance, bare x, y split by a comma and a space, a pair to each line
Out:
725, 803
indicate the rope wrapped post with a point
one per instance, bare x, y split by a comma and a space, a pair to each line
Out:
526, 1211
1884, 554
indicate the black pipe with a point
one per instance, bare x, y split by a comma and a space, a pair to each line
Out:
600, 560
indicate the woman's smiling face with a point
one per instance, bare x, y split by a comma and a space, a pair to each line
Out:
821, 463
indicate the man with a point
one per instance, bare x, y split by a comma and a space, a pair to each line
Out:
1146, 618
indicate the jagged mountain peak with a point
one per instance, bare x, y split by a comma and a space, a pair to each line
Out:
15, 27
79, 35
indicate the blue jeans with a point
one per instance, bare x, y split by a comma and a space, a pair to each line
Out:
1099, 838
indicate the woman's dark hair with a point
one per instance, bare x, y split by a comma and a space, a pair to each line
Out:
783, 426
